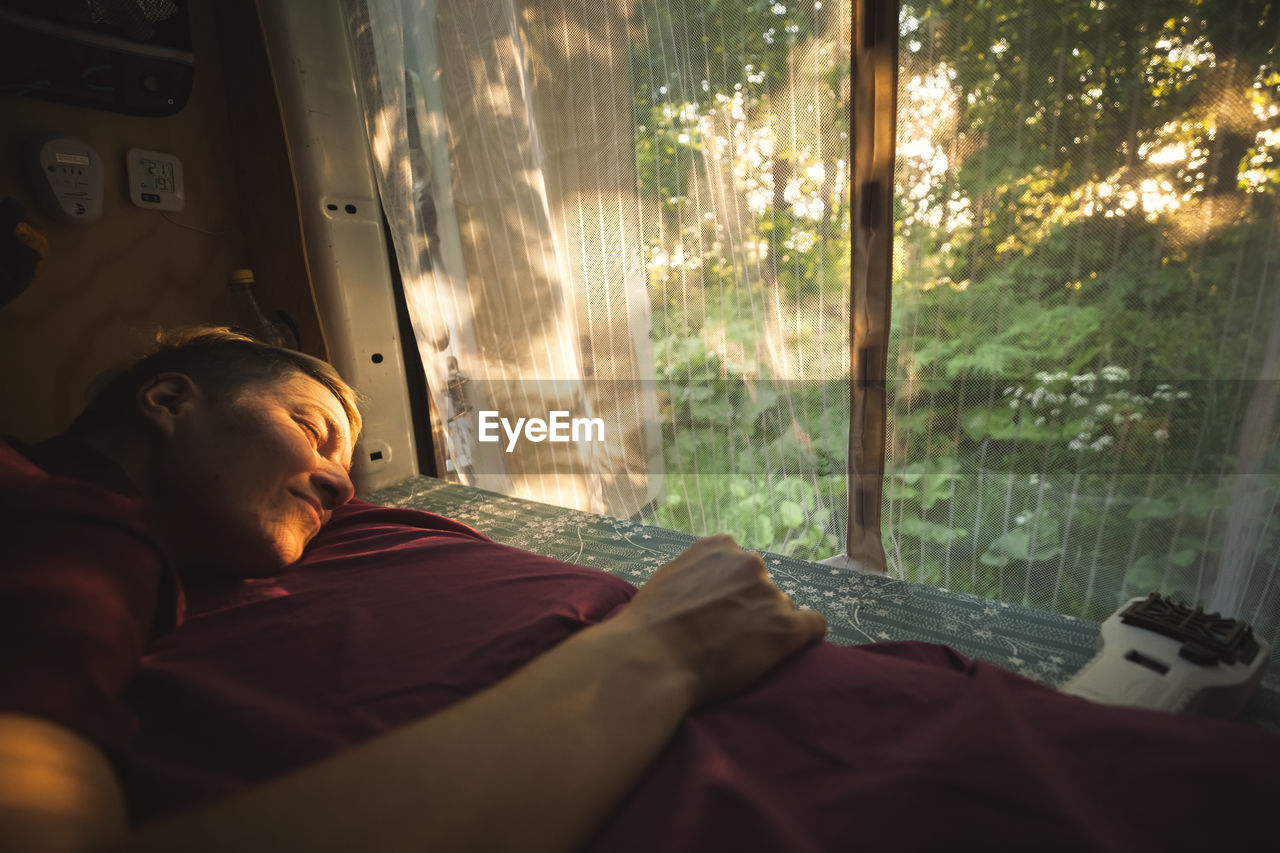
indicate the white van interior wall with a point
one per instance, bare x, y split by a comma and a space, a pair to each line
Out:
342, 227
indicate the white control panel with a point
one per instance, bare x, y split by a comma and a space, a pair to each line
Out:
155, 179
1156, 653
70, 180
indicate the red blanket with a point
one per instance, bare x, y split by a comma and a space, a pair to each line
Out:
394, 614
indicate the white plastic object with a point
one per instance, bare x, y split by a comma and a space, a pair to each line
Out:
69, 180
342, 225
1140, 667
155, 179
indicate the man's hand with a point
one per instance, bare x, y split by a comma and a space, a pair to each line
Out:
720, 617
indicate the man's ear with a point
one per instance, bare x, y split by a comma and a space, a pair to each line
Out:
165, 399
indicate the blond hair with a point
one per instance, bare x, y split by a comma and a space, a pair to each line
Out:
220, 361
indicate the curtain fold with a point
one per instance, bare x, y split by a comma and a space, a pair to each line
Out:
487, 185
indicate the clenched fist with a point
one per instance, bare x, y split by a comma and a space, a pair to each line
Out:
719, 616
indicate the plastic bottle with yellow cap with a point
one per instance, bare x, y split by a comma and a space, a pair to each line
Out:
248, 317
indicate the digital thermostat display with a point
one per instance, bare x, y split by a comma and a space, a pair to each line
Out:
155, 180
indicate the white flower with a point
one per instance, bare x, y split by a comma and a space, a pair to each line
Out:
791, 192
1101, 442
812, 208
1160, 435
803, 240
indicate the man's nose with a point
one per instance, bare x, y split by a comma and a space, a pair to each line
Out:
333, 485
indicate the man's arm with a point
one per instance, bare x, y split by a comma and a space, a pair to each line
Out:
57, 791
540, 760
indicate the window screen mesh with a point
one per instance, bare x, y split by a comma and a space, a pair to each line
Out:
1085, 345
637, 212
743, 152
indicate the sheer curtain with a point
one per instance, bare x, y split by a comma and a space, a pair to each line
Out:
635, 211
482, 224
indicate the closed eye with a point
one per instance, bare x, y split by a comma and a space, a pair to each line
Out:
310, 430
324, 432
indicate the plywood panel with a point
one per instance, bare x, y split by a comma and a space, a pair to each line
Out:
108, 285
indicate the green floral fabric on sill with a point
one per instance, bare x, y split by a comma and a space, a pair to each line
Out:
1047, 647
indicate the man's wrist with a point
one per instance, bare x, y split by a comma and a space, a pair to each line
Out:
634, 650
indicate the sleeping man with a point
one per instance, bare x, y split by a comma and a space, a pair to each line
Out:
207, 643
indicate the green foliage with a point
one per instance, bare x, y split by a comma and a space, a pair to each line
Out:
733, 437
1028, 544
746, 453
1083, 246
1065, 316
787, 516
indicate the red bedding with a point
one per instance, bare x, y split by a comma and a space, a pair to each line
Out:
394, 614
82, 588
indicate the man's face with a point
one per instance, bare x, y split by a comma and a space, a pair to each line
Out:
248, 481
